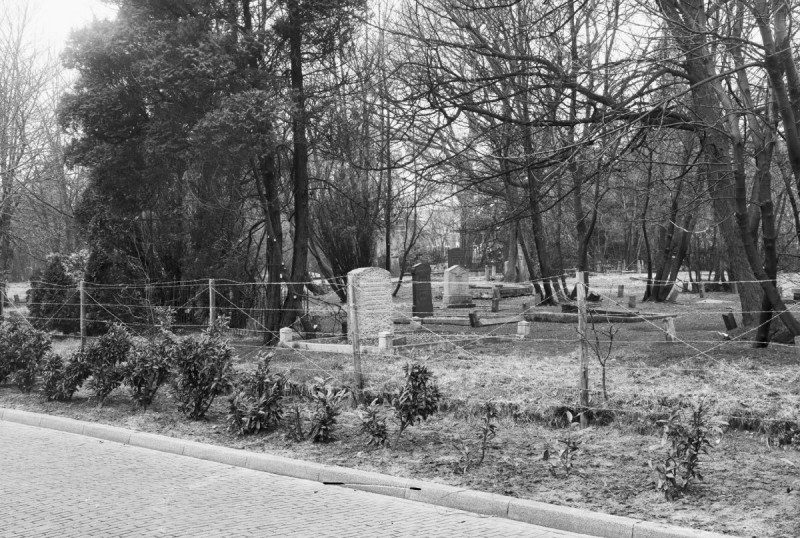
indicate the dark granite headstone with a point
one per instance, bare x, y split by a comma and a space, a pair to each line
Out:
422, 296
456, 256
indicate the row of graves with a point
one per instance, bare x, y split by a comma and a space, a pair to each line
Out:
378, 324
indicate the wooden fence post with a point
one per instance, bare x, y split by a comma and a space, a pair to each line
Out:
583, 352
355, 337
669, 330
212, 304
82, 290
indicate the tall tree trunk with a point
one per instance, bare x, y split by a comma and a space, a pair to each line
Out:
293, 305
648, 290
267, 187
764, 183
688, 25
675, 260
660, 281
531, 263
512, 256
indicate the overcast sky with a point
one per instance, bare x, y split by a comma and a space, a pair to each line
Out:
54, 19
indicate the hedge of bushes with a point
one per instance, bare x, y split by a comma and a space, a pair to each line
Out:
199, 369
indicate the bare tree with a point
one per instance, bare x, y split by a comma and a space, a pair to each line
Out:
25, 74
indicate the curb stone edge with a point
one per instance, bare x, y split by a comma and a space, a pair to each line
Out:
552, 516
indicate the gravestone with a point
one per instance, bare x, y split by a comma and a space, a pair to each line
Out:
372, 299
730, 321
673, 295
456, 256
395, 265
456, 288
422, 296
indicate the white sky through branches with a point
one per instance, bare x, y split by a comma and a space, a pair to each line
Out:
53, 20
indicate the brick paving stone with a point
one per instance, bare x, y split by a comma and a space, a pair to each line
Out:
61, 484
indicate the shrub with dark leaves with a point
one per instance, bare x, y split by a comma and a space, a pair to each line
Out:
686, 441
105, 359
147, 369
327, 401
202, 369
23, 349
257, 401
373, 424
60, 380
417, 399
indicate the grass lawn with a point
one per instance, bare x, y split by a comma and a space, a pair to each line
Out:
751, 483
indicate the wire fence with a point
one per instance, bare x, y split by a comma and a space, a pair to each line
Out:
506, 345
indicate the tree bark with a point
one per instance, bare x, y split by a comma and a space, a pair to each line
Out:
688, 24
293, 305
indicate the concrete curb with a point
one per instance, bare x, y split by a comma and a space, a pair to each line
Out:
546, 515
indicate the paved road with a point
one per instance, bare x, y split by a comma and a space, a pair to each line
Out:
59, 484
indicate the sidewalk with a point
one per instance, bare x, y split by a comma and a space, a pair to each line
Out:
63, 477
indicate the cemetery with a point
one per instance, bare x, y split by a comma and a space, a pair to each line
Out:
543, 251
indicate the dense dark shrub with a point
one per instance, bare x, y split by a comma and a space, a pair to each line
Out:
54, 303
22, 351
105, 360
147, 369
202, 369
61, 380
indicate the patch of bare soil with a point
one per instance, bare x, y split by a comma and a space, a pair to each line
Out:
750, 488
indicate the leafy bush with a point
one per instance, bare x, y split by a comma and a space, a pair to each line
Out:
256, 404
327, 401
54, 301
202, 369
61, 381
373, 424
147, 369
105, 360
417, 399
25, 378
22, 351
295, 426
685, 442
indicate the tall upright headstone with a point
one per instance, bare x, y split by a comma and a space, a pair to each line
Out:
422, 296
456, 256
371, 301
456, 288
